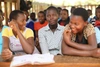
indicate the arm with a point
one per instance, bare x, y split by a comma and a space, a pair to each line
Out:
27, 44
90, 46
6, 53
42, 41
72, 51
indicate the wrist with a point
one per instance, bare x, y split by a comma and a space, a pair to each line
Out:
69, 42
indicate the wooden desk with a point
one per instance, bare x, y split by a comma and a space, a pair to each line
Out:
65, 61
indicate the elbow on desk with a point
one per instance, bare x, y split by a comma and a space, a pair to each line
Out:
31, 51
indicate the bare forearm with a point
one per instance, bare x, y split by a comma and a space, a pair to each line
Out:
72, 51
82, 46
26, 46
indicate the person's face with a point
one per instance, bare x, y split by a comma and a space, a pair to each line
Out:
77, 24
41, 17
52, 16
21, 21
98, 13
63, 15
32, 17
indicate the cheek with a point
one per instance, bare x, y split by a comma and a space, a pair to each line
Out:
79, 28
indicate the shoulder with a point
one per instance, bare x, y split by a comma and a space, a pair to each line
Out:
89, 30
61, 27
36, 23
43, 28
7, 28
89, 26
28, 29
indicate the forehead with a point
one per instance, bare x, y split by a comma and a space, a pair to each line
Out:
64, 11
97, 9
40, 14
21, 15
51, 11
76, 18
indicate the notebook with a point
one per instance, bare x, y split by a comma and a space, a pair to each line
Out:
32, 59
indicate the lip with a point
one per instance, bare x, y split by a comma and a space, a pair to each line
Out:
73, 30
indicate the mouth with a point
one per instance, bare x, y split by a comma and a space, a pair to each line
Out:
73, 31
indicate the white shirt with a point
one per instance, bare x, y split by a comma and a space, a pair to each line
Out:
97, 34
50, 42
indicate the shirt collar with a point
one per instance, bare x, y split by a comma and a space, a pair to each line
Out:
47, 27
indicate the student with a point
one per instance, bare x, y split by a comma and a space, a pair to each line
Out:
37, 25
97, 22
30, 22
41, 22
17, 39
1, 29
72, 9
79, 36
50, 36
64, 17
90, 18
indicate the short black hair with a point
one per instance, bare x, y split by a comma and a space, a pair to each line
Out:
53, 8
81, 12
98, 7
14, 14
42, 12
65, 10
72, 9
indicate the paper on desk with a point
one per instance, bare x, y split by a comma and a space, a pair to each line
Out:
32, 59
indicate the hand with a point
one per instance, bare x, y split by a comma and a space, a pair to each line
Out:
67, 36
96, 52
6, 54
13, 25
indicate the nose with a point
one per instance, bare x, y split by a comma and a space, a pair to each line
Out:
51, 17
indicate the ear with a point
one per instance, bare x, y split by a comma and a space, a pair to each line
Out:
13, 20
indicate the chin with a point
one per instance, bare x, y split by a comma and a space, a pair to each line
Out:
74, 32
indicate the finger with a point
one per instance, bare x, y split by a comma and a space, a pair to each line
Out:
6, 57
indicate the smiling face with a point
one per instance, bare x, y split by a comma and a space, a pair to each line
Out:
63, 15
41, 17
98, 13
21, 21
77, 24
52, 16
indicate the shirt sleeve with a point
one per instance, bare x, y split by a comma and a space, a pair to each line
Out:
29, 33
5, 32
42, 41
89, 30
